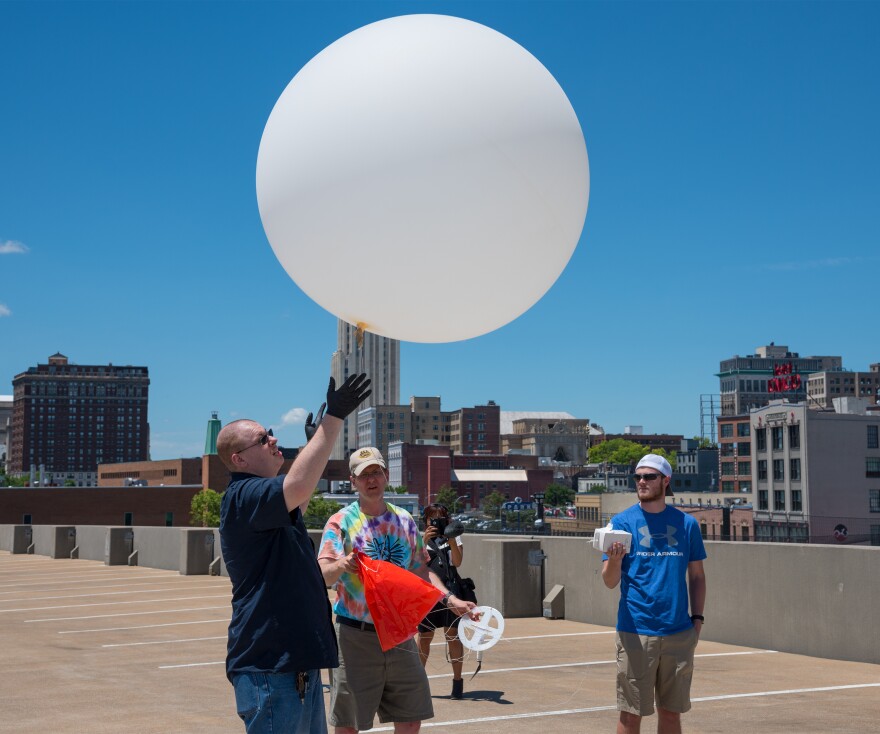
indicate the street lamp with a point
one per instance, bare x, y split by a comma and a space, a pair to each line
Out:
455, 503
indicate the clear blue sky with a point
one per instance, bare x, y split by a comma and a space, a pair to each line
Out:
734, 198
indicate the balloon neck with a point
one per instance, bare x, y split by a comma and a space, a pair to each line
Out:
360, 328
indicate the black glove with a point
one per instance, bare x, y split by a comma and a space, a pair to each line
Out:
312, 427
353, 392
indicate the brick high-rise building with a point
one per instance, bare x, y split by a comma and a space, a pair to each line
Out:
68, 418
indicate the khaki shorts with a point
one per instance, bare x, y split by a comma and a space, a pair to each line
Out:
649, 667
368, 681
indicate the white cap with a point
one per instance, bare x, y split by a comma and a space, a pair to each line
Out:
655, 461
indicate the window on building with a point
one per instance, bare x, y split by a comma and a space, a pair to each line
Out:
796, 501
26, 519
874, 500
727, 430
776, 438
127, 519
794, 437
795, 469
762, 469
744, 532
761, 438
169, 519
779, 499
762, 499
744, 468
727, 468
743, 429
745, 486
778, 470
727, 486
872, 467
875, 535
744, 448
872, 437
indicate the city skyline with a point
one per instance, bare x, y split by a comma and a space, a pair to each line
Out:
732, 155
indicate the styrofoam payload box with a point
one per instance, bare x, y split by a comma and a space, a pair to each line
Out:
604, 537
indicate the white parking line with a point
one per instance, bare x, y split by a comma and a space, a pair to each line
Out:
166, 642
594, 709
112, 603
125, 614
594, 662
99, 593
79, 583
192, 665
143, 626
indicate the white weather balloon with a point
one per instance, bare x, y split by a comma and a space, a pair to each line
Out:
425, 177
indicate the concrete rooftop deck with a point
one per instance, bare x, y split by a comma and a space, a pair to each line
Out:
94, 648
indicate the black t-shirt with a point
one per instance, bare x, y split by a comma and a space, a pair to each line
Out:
281, 620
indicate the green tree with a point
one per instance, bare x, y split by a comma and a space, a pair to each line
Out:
705, 443
617, 451
446, 496
597, 489
319, 510
621, 451
492, 503
558, 495
396, 490
8, 481
205, 509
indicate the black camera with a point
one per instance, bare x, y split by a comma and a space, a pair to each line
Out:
440, 523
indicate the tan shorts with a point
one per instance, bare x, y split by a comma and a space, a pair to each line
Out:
368, 681
649, 667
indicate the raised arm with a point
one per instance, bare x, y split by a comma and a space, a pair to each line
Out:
307, 468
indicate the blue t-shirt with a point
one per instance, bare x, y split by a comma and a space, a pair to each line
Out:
281, 621
653, 583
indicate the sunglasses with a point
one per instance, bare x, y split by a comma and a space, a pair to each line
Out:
646, 477
264, 439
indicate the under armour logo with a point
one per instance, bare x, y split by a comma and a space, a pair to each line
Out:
645, 540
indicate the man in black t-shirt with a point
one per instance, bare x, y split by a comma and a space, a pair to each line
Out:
281, 633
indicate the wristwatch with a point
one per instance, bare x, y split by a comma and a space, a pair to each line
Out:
695, 617
446, 597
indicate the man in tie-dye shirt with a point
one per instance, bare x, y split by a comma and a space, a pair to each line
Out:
369, 681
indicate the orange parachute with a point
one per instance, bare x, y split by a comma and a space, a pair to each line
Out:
397, 599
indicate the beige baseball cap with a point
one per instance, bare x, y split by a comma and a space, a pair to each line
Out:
362, 458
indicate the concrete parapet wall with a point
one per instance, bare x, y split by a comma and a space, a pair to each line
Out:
158, 547
91, 540
55, 541
15, 538
802, 599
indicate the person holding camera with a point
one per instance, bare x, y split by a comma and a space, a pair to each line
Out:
445, 552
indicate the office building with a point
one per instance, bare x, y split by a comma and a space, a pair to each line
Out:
473, 430
563, 440
816, 474
772, 372
379, 357
68, 418
823, 387
5, 428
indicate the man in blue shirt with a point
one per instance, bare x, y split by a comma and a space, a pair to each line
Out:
281, 633
662, 594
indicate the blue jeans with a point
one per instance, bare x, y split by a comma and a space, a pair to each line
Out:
268, 703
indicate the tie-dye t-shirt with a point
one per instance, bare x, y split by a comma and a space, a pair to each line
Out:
392, 536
